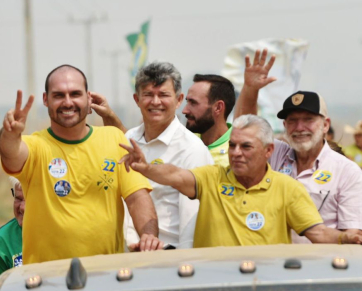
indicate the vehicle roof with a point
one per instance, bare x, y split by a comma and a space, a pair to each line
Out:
215, 268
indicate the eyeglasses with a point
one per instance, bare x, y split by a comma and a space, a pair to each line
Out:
13, 192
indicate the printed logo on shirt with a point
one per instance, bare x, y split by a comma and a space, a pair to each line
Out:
157, 162
226, 190
17, 260
286, 168
109, 166
62, 188
57, 168
322, 177
255, 221
105, 182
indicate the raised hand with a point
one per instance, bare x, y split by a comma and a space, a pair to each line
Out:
15, 119
134, 159
100, 105
256, 74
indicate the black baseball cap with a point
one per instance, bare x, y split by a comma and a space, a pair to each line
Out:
304, 100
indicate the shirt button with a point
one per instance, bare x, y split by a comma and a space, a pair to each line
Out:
247, 192
268, 180
244, 202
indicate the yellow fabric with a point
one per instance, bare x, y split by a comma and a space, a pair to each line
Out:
87, 221
354, 153
219, 149
221, 221
220, 154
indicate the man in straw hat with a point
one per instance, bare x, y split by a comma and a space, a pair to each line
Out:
354, 151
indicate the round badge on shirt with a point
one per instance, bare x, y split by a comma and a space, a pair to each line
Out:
255, 220
358, 158
57, 168
62, 188
286, 168
226, 190
157, 162
322, 177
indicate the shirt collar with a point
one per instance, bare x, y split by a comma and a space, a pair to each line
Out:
165, 137
264, 184
323, 154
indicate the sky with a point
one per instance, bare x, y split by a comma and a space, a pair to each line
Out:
193, 35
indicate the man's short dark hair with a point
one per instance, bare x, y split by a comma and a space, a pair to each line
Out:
220, 89
66, 66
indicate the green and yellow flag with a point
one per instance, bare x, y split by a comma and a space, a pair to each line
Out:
139, 47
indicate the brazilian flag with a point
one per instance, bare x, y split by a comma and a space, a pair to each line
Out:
139, 47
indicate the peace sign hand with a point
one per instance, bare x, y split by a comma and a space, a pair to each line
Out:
15, 120
134, 159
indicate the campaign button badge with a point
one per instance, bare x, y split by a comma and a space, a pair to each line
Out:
57, 168
62, 188
18, 260
322, 177
286, 168
255, 221
157, 162
226, 190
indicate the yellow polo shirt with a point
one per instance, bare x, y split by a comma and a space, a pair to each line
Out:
231, 215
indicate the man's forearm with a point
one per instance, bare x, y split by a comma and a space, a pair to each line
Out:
113, 120
143, 213
247, 103
13, 151
170, 175
322, 234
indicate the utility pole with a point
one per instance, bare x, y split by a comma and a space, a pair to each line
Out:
29, 51
113, 56
88, 24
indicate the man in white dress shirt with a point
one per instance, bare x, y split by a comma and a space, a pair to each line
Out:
164, 139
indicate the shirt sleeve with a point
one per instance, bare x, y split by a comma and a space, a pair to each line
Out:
131, 181
350, 198
3, 265
205, 177
25, 174
302, 213
4, 258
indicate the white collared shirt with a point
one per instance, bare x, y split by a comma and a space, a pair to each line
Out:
176, 213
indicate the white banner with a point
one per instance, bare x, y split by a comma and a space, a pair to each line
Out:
290, 55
